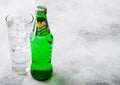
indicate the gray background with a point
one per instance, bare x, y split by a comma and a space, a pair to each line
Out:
86, 46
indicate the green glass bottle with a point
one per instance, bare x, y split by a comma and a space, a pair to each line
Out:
41, 41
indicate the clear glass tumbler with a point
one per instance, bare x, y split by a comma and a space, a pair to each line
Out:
19, 27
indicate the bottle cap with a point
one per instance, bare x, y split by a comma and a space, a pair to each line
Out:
41, 9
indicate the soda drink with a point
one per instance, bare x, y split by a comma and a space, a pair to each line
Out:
41, 41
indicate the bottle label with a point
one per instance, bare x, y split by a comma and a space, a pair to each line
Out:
42, 28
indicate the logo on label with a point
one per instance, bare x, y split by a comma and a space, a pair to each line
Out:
40, 24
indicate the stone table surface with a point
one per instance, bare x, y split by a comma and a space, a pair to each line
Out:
86, 42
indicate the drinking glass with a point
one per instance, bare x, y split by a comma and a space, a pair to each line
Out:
19, 26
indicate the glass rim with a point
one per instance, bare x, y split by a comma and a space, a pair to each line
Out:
21, 13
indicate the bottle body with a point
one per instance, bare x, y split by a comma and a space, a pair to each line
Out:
41, 41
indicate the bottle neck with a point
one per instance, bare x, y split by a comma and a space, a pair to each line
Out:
41, 19
41, 24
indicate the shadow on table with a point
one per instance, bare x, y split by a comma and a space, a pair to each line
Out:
58, 79
61, 79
